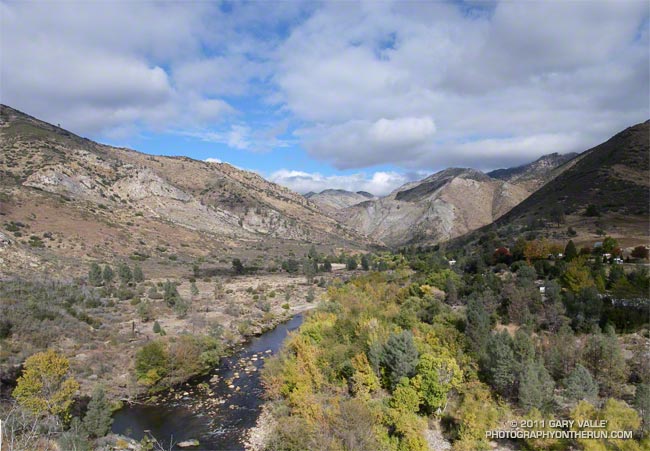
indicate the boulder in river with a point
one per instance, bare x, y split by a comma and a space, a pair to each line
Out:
188, 443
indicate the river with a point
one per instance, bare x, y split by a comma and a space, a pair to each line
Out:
218, 420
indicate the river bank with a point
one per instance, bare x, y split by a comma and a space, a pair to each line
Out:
217, 410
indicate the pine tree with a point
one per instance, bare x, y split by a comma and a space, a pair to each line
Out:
194, 290
138, 275
98, 420
478, 326
351, 264
327, 266
580, 385
535, 387
501, 363
108, 274
570, 251
365, 264
125, 273
451, 291
156, 327
642, 404
95, 275
399, 356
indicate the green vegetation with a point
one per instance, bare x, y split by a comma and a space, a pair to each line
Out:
503, 334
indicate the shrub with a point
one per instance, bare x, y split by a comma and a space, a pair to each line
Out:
151, 363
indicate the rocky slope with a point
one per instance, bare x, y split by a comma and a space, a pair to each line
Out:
442, 206
534, 175
337, 199
79, 198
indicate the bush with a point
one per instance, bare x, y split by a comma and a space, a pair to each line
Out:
151, 363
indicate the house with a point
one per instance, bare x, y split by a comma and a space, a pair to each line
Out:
598, 244
617, 261
542, 290
452, 262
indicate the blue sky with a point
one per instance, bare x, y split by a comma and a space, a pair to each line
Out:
314, 95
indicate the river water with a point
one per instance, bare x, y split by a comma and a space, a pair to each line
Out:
220, 418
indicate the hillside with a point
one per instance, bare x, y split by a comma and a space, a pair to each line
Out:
536, 174
337, 199
442, 206
66, 198
614, 177
605, 190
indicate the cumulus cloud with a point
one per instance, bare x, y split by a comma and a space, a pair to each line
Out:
379, 183
419, 85
503, 84
363, 143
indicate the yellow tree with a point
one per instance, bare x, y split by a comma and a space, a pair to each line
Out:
44, 387
577, 276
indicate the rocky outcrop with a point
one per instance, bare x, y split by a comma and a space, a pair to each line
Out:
442, 206
336, 199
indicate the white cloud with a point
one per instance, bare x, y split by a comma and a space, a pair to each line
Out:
418, 85
380, 183
492, 80
362, 143
213, 160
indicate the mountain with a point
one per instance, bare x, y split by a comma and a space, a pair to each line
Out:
75, 198
337, 199
536, 174
442, 206
614, 177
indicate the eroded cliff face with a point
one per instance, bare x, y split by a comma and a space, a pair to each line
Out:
445, 205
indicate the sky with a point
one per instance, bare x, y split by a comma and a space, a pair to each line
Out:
314, 95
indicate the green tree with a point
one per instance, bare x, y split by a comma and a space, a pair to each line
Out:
98, 419
151, 363
156, 327
577, 276
351, 264
124, 272
592, 211
144, 311
405, 397
44, 388
451, 292
138, 275
170, 293
478, 326
603, 356
194, 290
365, 263
108, 275
580, 385
570, 251
95, 275
609, 244
399, 357
501, 363
642, 404
535, 387
436, 376
237, 266
327, 266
